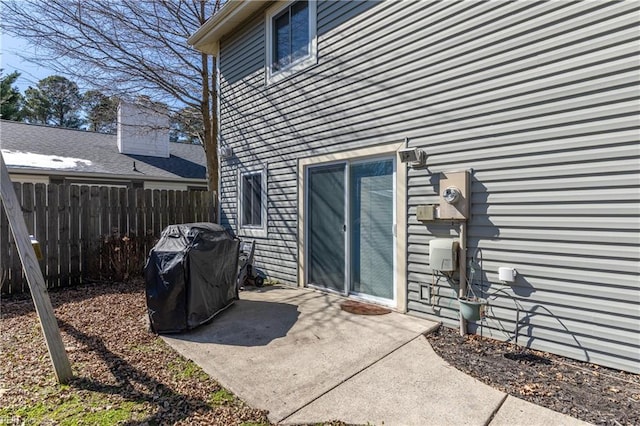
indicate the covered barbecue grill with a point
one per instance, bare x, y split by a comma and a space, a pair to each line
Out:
190, 275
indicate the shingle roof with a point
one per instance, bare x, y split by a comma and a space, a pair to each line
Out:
186, 161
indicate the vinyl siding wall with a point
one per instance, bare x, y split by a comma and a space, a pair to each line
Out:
538, 99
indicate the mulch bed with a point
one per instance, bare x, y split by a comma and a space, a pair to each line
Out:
586, 391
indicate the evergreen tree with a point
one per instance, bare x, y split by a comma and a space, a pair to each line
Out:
55, 101
10, 97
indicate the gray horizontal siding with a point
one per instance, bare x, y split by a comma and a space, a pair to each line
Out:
539, 99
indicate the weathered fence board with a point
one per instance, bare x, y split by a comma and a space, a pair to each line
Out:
179, 210
163, 209
148, 218
188, 208
148, 212
156, 212
114, 209
4, 250
28, 207
63, 235
16, 266
94, 229
105, 228
41, 223
85, 215
51, 274
131, 212
197, 204
123, 218
72, 224
171, 197
74, 235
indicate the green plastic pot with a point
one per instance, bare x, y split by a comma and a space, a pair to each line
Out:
470, 309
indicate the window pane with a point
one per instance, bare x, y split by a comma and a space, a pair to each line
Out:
326, 245
299, 30
281, 41
371, 210
246, 200
256, 203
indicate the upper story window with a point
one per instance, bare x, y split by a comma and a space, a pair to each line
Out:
291, 38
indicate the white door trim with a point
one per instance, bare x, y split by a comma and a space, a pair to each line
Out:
400, 264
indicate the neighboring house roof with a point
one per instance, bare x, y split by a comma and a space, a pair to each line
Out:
66, 151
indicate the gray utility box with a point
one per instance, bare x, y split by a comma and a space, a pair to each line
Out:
443, 254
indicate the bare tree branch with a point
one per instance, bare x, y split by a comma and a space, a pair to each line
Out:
125, 48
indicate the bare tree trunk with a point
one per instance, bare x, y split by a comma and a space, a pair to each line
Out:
207, 106
210, 145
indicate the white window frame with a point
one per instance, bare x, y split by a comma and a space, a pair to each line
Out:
253, 230
302, 63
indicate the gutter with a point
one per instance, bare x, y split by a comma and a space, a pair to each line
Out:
90, 175
232, 14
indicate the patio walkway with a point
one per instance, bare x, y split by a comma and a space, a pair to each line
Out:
295, 353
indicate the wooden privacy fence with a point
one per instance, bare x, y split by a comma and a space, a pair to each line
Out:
73, 224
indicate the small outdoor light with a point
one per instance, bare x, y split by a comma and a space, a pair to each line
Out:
416, 158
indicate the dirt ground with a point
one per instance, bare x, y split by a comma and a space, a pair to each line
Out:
122, 373
588, 392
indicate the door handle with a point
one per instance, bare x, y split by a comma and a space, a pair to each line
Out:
344, 228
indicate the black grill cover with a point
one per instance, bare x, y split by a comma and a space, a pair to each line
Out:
190, 276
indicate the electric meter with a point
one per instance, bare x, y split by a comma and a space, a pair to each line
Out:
451, 194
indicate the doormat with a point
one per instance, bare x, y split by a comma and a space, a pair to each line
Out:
360, 308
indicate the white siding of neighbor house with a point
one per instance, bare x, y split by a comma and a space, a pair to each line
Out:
538, 99
23, 178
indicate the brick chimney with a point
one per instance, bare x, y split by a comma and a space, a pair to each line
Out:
143, 130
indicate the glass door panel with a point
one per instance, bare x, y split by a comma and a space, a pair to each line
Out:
371, 207
326, 222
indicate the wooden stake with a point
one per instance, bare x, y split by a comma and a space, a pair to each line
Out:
34, 276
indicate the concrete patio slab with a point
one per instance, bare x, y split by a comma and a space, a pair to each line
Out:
411, 386
282, 348
516, 411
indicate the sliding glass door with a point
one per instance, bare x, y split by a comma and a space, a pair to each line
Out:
350, 219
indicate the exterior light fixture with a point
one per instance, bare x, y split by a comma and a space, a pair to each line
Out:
416, 158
